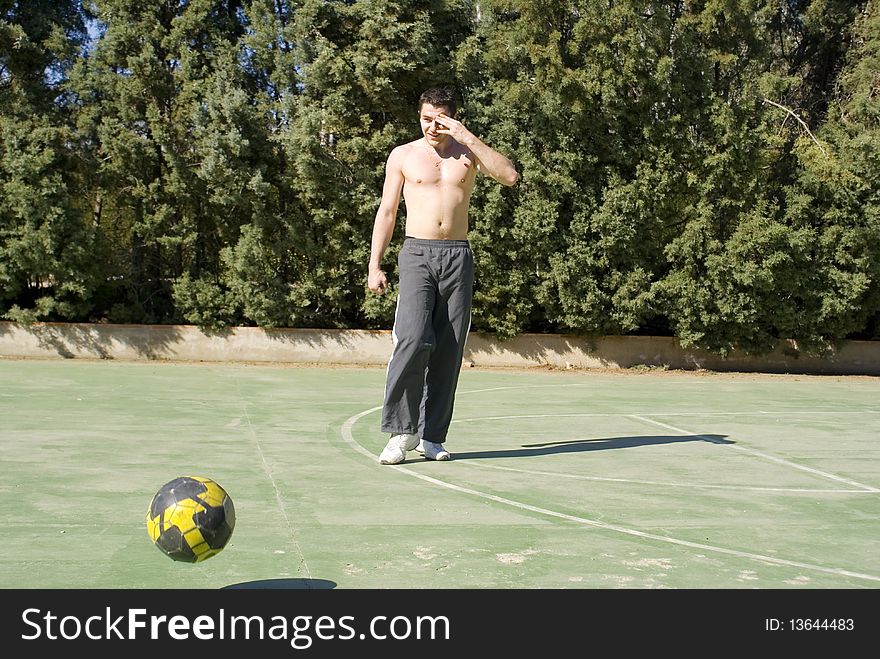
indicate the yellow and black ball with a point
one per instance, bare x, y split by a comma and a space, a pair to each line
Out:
191, 519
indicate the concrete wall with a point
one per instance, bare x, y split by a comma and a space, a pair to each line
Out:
366, 347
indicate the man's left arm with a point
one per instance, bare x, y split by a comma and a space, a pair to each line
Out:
489, 161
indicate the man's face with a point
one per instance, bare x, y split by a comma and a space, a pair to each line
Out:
428, 120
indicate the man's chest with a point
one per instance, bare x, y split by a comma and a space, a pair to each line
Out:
431, 169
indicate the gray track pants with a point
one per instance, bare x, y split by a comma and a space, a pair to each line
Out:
431, 326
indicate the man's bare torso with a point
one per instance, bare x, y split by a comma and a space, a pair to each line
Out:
437, 190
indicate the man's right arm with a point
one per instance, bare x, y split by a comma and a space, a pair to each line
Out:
386, 216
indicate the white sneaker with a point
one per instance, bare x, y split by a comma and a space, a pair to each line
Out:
433, 451
395, 450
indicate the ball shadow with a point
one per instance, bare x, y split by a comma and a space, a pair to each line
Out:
283, 584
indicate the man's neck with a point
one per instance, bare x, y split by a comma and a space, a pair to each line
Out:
443, 149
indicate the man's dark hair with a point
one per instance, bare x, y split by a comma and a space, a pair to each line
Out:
439, 97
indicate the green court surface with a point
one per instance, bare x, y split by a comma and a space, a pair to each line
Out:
559, 479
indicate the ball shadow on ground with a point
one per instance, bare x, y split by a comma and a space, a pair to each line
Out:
283, 584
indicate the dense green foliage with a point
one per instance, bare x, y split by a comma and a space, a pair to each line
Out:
708, 169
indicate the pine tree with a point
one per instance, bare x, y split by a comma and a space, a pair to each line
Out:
361, 66
835, 200
47, 268
634, 123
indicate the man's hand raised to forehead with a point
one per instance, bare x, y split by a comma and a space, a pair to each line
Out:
446, 125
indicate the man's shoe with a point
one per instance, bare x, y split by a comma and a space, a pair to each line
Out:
395, 450
434, 451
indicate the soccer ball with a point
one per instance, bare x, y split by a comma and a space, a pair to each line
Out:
190, 519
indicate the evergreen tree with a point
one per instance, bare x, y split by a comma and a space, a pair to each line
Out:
635, 126
835, 201
653, 195
245, 105
702, 168
361, 66
47, 268
160, 106
752, 281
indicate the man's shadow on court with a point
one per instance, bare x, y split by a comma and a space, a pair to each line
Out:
581, 445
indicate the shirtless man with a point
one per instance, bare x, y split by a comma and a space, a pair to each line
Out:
436, 175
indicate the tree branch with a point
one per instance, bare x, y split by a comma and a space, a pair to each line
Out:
767, 100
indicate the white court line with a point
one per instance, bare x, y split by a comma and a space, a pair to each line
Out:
349, 439
526, 386
697, 414
635, 481
268, 471
766, 456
